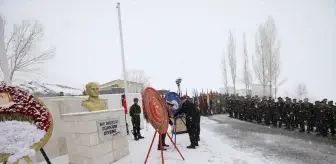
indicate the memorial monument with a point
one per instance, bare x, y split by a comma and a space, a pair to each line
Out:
97, 136
93, 103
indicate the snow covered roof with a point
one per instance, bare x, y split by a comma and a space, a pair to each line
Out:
46, 89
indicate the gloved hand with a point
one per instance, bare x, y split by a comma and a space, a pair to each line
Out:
170, 122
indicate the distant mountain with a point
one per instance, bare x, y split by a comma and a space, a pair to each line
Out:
44, 89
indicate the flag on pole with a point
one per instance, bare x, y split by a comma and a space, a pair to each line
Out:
208, 98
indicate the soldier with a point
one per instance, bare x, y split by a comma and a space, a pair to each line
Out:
269, 117
230, 107
320, 117
295, 114
311, 115
288, 111
135, 112
273, 112
330, 117
301, 116
282, 114
198, 125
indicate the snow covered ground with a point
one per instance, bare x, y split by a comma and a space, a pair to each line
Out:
211, 150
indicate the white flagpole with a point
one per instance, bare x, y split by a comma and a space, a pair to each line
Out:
122, 49
3, 56
123, 62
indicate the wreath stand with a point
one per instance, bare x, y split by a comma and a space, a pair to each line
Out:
161, 147
46, 158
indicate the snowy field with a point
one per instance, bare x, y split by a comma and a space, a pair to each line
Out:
211, 150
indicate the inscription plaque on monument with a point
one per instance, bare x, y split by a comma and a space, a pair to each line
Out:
107, 129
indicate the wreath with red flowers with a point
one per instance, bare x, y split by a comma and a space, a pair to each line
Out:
25, 105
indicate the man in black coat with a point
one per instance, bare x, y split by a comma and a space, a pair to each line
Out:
189, 109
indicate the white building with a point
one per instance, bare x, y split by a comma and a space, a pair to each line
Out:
259, 90
230, 90
133, 87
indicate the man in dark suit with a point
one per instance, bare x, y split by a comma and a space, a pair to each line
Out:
189, 109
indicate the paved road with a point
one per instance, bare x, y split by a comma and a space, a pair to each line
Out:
289, 147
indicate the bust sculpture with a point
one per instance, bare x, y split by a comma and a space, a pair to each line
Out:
93, 103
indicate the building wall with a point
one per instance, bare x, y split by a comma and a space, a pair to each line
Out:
258, 89
132, 86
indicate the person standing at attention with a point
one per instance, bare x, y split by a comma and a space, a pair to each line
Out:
135, 112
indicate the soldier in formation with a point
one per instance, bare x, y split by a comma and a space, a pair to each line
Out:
318, 117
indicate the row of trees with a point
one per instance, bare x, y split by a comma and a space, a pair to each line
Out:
266, 59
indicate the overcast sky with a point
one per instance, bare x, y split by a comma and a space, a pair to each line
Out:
180, 38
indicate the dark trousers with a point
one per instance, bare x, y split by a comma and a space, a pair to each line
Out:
311, 123
136, 129
198, 127
192, 130
163, 138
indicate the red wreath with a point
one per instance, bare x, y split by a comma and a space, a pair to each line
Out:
156, 110
25, 104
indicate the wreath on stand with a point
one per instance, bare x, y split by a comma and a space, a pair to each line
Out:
25, 124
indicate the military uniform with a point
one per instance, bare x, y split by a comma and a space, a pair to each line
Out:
135, 112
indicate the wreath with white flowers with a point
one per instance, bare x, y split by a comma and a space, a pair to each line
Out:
25, 125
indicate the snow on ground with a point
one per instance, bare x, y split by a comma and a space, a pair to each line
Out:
211, 150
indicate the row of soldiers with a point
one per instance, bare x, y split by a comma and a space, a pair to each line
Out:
319, 117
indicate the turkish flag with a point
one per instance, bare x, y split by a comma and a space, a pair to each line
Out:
124, 105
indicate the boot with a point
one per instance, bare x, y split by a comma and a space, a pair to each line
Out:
163, 148
192, 146
140, 137
165, 145
136, 138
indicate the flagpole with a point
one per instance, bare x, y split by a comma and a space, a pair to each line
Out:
123, 59
3, 56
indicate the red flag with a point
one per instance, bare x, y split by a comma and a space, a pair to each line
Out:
124, 104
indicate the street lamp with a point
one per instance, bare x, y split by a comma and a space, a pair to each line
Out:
178, 83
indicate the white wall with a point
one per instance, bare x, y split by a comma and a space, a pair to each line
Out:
72, 104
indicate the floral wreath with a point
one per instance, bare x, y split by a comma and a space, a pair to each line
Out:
27, 105
24, 108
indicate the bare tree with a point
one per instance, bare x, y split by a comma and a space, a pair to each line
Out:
273, 51
21, 47
267, 57
224, 73
247, 74
137, 79
232, 59
301, 91
260, 59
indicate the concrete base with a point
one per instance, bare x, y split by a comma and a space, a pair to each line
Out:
84, 140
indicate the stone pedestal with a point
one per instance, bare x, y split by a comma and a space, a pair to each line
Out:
96, 137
